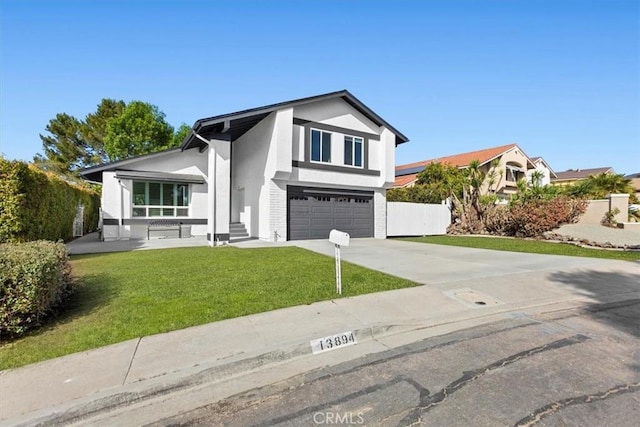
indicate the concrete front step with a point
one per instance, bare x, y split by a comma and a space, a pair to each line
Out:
237, 230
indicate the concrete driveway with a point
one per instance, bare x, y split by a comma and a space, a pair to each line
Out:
437, 264
494, 277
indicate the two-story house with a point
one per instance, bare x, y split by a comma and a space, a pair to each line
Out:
513, 165
287, 171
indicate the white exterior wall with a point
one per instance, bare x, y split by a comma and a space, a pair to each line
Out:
387, 153
417, 219
250, 156
111, 205
546, 173
336, 112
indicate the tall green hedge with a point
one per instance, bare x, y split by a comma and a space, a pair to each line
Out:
35, 205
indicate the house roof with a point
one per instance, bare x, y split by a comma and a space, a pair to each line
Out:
404, 180
234, 125
574, 174
94, 173
458, 160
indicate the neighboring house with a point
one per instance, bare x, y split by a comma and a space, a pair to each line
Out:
572, 176
545, 171
635, 182
288, 171
513, 166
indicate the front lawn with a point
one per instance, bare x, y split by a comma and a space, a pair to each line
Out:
125, 295
527, 246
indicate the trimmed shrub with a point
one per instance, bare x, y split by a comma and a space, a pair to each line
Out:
37, 205
34, 278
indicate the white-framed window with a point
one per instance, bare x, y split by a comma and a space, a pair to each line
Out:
160, 199
353, 151
320, 146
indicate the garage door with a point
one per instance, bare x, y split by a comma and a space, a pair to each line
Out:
313, 212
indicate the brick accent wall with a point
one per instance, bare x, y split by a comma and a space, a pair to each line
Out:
277, 211
380, 214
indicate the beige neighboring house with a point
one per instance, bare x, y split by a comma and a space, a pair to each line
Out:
513, 166
635, 182
572, 176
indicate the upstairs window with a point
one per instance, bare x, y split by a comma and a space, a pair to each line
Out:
353, 151
160, 199
320, 146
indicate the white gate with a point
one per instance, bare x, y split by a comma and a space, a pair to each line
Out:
78, 222
417, 219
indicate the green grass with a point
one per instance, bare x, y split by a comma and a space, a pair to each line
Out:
527, 246
126, 295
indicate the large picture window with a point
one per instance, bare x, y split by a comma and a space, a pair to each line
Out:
160, 199
353, 151
320, 146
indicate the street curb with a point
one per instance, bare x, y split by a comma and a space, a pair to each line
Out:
114, 398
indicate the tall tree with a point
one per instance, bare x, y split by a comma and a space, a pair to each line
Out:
64, 148
140, 129
94, 129
72, 144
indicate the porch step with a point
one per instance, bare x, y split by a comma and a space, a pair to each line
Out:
237, 230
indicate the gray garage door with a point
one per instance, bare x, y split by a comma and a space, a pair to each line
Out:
314, 212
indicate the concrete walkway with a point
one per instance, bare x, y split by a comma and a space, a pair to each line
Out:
462, 288
90, 244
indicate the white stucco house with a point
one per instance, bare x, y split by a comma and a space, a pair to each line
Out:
287, 171
544, 170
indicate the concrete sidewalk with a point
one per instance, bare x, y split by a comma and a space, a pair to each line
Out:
465, 287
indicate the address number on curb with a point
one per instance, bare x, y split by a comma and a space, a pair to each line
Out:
333, 342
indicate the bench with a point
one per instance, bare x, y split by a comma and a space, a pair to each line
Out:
163, 225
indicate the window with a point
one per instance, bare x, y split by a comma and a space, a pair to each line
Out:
320, 146
353, 151
152, 199
514, 172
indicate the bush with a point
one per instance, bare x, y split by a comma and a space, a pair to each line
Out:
34, 278
36, 205
533, 217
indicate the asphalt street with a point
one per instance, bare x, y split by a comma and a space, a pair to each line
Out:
578, 367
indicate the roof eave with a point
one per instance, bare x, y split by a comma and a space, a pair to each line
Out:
344, 94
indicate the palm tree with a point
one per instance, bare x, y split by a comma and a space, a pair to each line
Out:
536, 178
607, 183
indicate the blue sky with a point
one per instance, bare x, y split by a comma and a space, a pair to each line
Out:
561, 77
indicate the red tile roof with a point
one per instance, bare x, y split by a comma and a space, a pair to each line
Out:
401, 181
581, 173
462, 160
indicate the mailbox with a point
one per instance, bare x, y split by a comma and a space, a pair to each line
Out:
339, 238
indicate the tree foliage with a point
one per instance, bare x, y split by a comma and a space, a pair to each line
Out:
140, 129
181, 134
71, 144
598, 186
436, 183
64, 147
95, 129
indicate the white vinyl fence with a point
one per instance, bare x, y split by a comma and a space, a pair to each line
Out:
417, 219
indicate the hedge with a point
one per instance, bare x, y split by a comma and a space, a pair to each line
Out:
36, 205
34, 278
